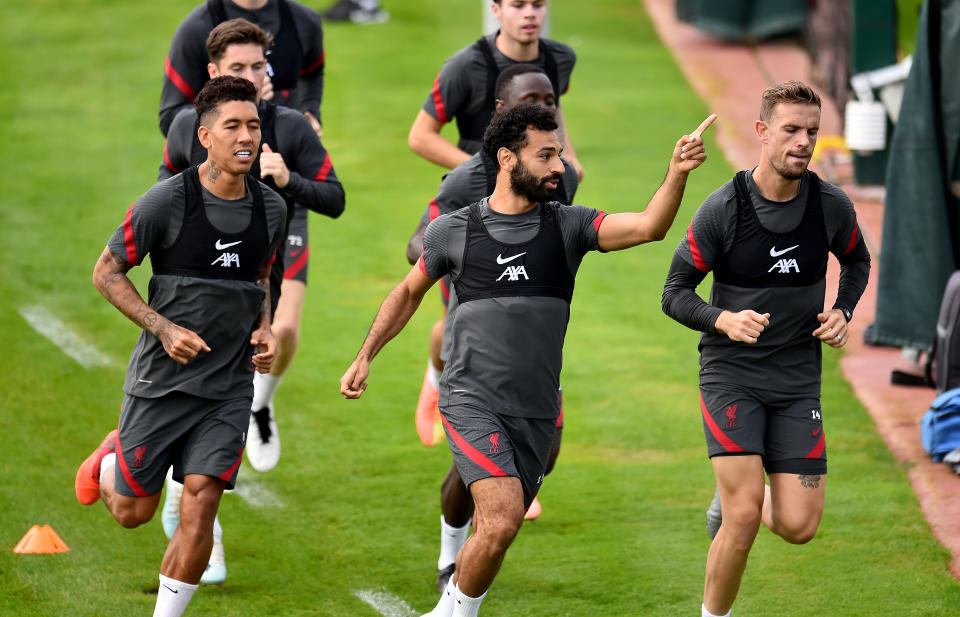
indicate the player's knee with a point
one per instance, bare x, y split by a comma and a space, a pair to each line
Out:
501, 532
130, 516
798, 530
742, 521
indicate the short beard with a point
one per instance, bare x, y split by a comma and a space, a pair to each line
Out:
786, 173
526, 185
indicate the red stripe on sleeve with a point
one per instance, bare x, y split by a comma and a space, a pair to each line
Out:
695, 251
273, 257
128, 238
438, 101
423, 266
434, 209
819, 448
475, 455
316, 65
718, 434
853, 239
598, 220
178, 81
133, 484
445, 290
166, 160
225, 476
298, 265
324, 170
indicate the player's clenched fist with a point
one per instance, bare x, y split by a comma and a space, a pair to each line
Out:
181, 344
745, 326
271, 164
354, 381
266, 346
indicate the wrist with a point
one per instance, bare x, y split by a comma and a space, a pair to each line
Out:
676, 175
718, 324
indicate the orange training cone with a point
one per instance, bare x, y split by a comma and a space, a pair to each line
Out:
41, 540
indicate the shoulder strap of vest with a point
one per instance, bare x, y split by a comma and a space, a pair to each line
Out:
218, 14
483, 45
191, 188
740, 186
475, 212
550, 68
286, 15
813, 190
254, 187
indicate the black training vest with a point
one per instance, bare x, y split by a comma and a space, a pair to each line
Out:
286, 55
471, 126
537, 267
203, 251
761, 258
491, 169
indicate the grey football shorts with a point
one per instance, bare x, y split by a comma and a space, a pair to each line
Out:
488, 445
195, 435
785, 429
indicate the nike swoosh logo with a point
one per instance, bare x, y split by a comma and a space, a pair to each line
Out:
221, 246
775, 253
816, 431
503, 260
295, 253
172, 590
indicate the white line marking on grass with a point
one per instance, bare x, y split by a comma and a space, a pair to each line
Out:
386, 603
256, 494
47, 324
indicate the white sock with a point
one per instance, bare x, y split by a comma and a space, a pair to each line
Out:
172, 597
705, 613
107, 462
444, 607
217, 529
466, 606
264, 387
451, 540
433, 375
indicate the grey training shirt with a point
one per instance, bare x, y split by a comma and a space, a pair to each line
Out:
226, 372
495, 363
784, 358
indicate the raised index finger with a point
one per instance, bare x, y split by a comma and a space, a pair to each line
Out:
703, 125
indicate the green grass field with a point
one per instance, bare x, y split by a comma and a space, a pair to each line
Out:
355, 498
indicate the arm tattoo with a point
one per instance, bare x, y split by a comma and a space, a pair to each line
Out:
113, 283
809, 481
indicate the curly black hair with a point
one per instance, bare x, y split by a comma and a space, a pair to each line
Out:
508, 129
221, 90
